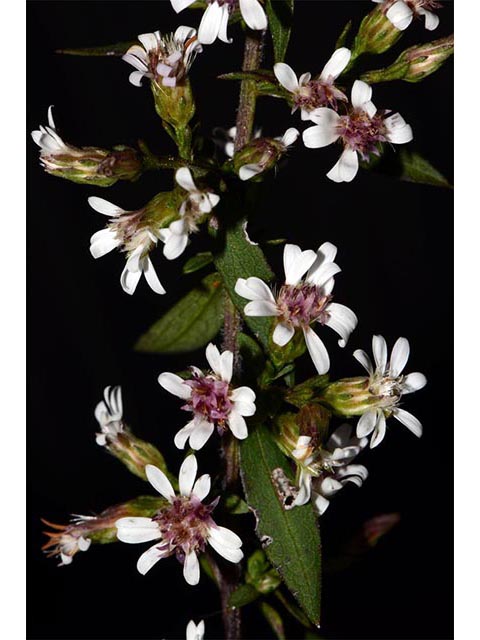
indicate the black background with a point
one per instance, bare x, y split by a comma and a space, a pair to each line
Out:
394, 242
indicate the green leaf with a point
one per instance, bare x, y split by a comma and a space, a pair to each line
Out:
415, 168
274, 619
190, 324
240, 258
243, 595
265, 82
280, 19
117, 49
198, 262
290, 538
342, 38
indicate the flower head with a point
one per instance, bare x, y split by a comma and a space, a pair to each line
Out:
402, 12
164, 59
195, 631
85, 165
302, 301
215, 19
361, 131
135, 234
196, 206
388, 384
308, 94
183, 527
212, 400
109, 414
262, 154
65, 541
324, 471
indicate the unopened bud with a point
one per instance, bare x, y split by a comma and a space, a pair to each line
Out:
262, 154
175, 105
414, 64
376, 34
85, 165
261, 574
67, 540
312, 421
307, 391
350, 397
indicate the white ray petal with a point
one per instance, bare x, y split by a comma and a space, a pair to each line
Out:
191, 568
151, 277
380, 353
261, 308
342, 320
379, 431
229, 553
136, 530
400, 15
187, 475
184, 178
237, 425
175, 385
201, 488
296, 262
201, 433
254, 289
149, 558
211, 23
346, 168
362, 357
367, 423
104, 206
409, 420
325, 131
413, 382
225, 536
399, 357
213, 358
317, 351
282, 334
180, 5
253, 14
361, 94
160, 482
184, 434
286, 76
336, 64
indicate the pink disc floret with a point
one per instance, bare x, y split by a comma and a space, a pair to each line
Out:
300, 305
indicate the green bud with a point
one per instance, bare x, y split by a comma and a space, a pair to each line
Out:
312, 420
349, 397
258, 156
376, 34
94, 166
174, 105
260, 573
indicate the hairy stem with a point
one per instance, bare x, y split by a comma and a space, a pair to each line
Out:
246, 108
227, 580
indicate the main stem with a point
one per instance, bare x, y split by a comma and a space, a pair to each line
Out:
228, 580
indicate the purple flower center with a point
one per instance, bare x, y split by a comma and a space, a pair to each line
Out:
362, 133
184, 524
209, 398
300, 305
317, 93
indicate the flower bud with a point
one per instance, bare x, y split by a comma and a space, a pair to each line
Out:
312, 420
350, 397
66, 540
376, 34
85, 165
262, 154
307, 391
261, 574
175, 105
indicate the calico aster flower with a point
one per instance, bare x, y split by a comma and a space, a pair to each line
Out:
302, 301
361, 131
183, 527
387, 382
309, 94
402, 12
212, 400
215, 19
132, 232
195, 631
65, 541
165, 59
109, 414
51, 143
198, 204
322, 472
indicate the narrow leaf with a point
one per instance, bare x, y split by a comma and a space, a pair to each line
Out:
290, 537
342, 38
198, 262
117, 49
280, 19
415, 168
190, 324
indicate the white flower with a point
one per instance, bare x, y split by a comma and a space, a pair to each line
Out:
49, 141
109, 414
183, 527
361, 131
196, 206
130, 231
269, 153
401, 12
212, 399
302, 301
215, 19
389, 384
195, 631
323, 472
167, 58
64, 542
309, 94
